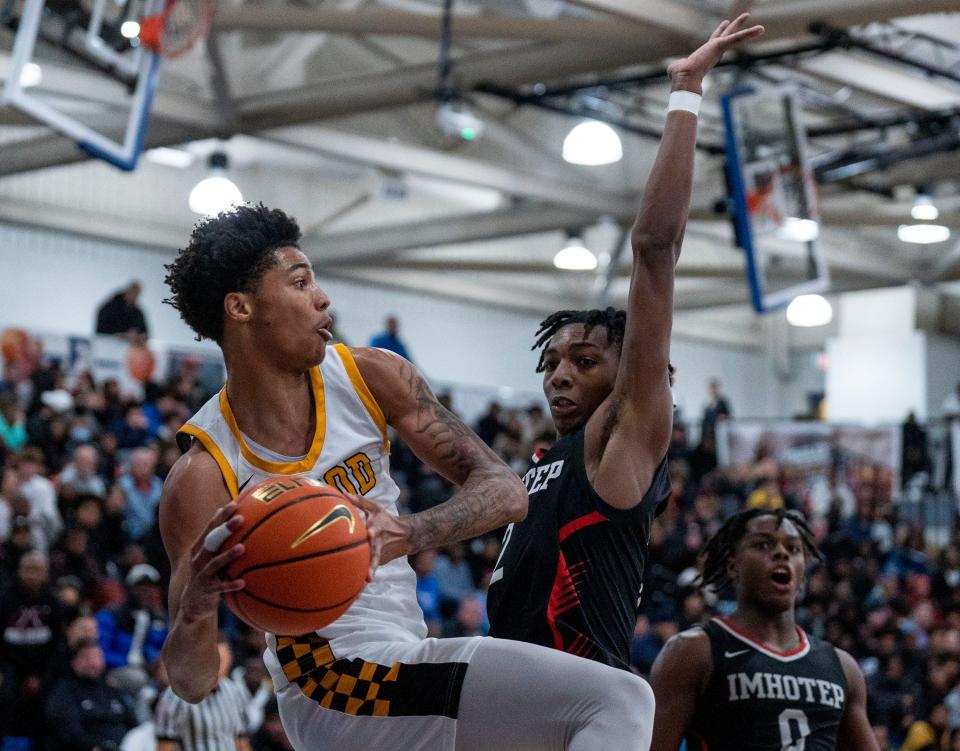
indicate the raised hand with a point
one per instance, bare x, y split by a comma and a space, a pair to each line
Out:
201, 594
689, 72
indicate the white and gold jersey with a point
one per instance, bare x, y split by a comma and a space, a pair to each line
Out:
349, 450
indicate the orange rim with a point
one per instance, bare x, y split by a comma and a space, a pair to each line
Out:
151, 32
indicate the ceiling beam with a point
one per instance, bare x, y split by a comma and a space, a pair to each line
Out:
418, 160
882, 79
400, 23
794, 18
382, 242
656, 15
542, 61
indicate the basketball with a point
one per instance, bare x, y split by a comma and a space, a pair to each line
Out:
306, 555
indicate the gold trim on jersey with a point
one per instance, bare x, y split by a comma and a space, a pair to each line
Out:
229, 476
283, 468
363, 391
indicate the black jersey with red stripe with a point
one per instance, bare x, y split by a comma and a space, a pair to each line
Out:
758, 698
570, 574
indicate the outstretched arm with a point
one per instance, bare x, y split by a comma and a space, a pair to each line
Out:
489, 494
627, 437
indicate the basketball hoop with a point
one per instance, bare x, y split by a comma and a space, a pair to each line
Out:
174, 31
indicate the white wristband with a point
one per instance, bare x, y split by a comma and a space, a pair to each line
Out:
684, 100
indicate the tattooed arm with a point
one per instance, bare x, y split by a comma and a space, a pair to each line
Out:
489, 494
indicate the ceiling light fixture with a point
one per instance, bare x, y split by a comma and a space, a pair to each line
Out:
923, 208
454, 119
130, 29
809, 310
592, 143
923, 234
30, 75
799, 230
216, 192
169, 157
575, 256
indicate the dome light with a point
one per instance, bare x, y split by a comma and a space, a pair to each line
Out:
923, 234
129, 29
592, 143
809, 310
216, 192
30, 75
923, 209
575, 256
799, 230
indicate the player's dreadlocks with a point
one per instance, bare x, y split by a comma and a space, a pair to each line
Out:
723, 545
615, 322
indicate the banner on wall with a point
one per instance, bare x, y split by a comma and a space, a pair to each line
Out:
811, 459
955, 447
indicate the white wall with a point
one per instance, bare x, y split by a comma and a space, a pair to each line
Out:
877, 379
55, 281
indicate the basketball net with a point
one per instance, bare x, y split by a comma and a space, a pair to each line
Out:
174, 31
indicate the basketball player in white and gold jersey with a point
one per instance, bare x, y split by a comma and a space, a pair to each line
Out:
294, 404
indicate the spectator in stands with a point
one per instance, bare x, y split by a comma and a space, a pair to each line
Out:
121, 315
134, 429
141, 491
13, 422
716, 409
390, 338
470, 618
488, 427
428, 589
454, 578
19, 542
217, 722
40, 494
84, 712
253, 678
31, 644
916, 458
271, 736
71, 557
81, 474
132, 633
930, 733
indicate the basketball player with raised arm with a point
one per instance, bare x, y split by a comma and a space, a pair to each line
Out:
754, 679
570, 574
296, 404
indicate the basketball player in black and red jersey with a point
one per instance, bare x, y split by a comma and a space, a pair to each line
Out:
570, 574
755, 680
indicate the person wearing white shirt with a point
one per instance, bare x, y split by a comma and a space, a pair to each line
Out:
39, 491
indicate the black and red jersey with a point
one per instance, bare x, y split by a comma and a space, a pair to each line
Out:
760, 698
570, 574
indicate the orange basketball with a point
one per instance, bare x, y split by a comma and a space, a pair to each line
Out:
305, 556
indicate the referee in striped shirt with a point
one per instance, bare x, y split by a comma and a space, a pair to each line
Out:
218, 723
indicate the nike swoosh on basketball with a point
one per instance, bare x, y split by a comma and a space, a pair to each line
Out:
245, 482
337, 512
736, 654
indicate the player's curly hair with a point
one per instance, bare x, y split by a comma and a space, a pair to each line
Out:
613, 320
723, 545
227, 253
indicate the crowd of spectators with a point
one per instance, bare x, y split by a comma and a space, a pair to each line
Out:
82, 609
